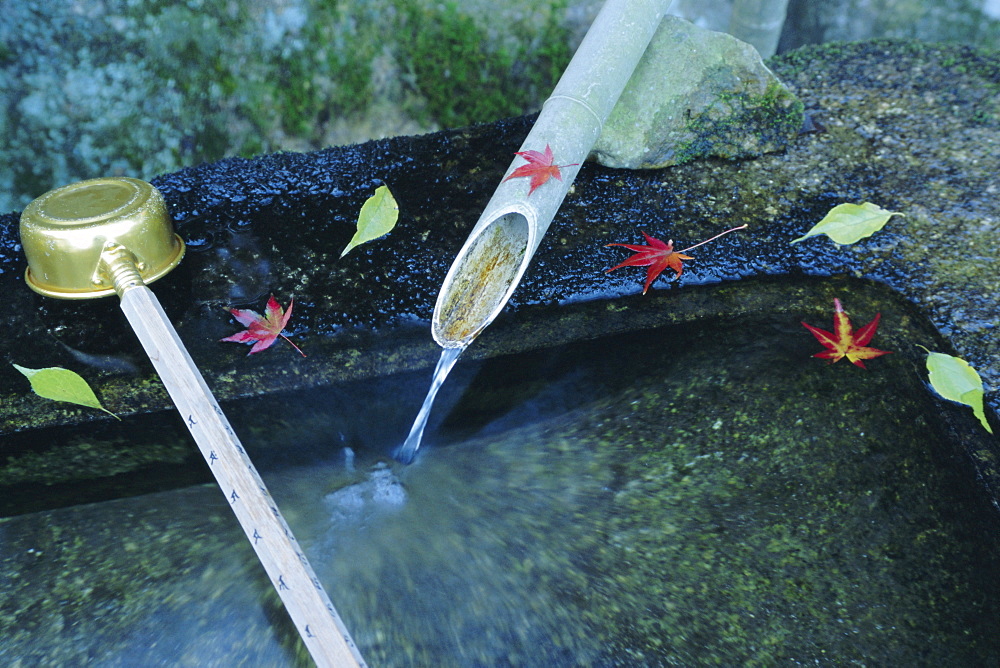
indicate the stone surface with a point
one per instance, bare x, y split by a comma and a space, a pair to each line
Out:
913, 128
697, 94
711, 532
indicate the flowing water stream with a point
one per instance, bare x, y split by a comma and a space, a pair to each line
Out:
695, 495
408, 450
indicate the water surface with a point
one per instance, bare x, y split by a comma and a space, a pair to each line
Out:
699, 495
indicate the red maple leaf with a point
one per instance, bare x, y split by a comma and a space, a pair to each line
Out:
658, 256
539, 168
263, 331
844, 342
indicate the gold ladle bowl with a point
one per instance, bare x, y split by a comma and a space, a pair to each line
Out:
68, 233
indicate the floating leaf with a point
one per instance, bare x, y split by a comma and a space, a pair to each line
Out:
60, 384
845, 341
955, 380
848, 223
377, 218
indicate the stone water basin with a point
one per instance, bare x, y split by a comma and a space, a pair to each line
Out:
664, 485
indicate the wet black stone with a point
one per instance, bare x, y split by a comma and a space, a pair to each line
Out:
911, 127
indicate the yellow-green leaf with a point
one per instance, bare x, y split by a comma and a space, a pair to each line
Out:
60, 384
377, 218
848, 223
955, 380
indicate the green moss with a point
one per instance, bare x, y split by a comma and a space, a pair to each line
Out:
329, 72
190, 48
84, 457
465, 77
770, 119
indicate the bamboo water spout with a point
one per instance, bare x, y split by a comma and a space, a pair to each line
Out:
489, 266
495, 256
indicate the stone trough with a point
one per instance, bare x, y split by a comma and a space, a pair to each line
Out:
914, 128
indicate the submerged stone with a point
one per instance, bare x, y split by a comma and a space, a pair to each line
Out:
674, 496
697, 94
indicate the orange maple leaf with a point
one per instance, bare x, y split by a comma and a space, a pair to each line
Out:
659, 256
539, 168
844, 341
263, 331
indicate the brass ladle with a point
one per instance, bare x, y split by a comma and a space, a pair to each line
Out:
112, 236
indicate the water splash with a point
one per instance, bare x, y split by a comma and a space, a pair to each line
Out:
408, 450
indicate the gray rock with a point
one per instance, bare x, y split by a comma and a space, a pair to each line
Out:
697, 93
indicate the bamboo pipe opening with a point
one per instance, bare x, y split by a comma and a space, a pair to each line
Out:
482, 279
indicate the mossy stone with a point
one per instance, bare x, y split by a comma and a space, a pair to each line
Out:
696, 94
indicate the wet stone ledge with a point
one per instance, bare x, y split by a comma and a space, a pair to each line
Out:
914, 128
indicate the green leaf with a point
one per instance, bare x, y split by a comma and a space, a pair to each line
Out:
848, 223
60, 384
955, 380
377, 218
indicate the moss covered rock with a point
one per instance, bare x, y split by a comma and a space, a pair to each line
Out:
697, 94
